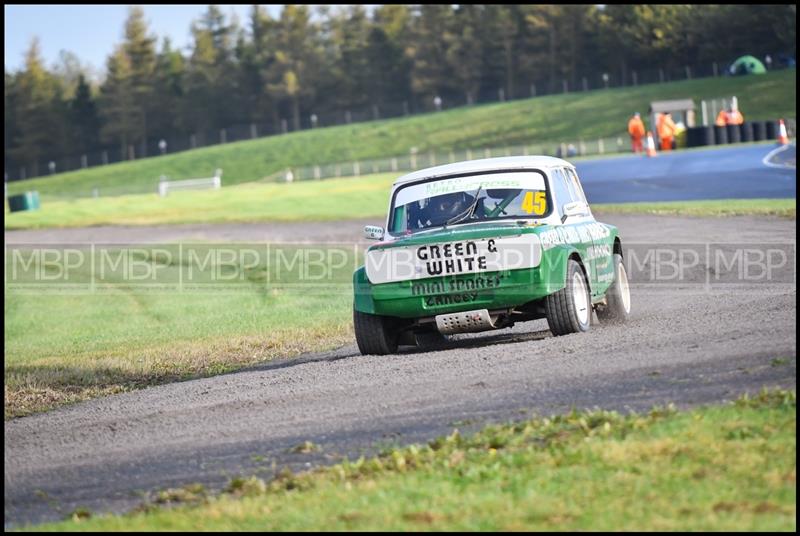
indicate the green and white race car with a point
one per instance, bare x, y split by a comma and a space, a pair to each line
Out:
480, 245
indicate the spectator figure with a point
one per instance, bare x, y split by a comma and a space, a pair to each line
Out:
636, 130
735, 117
666, 130
722, 118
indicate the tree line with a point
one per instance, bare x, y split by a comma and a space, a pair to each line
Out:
281, 71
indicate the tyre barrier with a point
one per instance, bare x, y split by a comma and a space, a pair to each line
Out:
734, 135
746, 132
720, 135
699, 136
759, 130
772, 130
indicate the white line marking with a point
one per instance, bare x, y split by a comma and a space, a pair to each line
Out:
773, 153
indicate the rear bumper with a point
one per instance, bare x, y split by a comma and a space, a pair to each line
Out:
451, 294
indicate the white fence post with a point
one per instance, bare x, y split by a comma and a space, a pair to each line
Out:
394, 164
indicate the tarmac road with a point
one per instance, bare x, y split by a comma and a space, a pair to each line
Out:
734, 172
707, 336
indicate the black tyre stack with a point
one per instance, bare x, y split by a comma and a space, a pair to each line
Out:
720, 135
746, 132
699, 136
759, 130
734, 134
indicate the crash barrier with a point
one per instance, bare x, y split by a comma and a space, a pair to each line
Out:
26, 201
722, 135
215, 182
416, 159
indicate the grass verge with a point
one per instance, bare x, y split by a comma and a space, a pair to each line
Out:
717, 468
556, 118
328, 200
104, 326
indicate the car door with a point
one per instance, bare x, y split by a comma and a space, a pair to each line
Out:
576, 218
601, 254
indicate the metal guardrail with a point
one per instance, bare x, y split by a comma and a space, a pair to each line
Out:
422, 159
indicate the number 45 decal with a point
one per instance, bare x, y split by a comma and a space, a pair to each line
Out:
534, 203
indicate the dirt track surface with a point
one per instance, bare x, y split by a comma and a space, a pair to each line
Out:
340, 231
687, 342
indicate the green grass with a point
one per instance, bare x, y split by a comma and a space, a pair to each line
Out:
110, 333
332, 199
555, 118
717, 468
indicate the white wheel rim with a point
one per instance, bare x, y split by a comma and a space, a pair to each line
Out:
624, 289
580, 299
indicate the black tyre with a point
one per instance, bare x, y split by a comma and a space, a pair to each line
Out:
374, 334
618, 296
570, 309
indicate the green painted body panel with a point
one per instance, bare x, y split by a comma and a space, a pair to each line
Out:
592, 242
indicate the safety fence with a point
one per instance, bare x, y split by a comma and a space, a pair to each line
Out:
415, 159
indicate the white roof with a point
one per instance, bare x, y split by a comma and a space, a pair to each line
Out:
484, 164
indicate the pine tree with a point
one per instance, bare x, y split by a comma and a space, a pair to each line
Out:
38, 99
139, 47
117, 102
85, 122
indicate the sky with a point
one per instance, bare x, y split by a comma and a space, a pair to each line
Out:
92, 31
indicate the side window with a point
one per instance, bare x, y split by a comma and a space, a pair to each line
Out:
576, 185
560, 188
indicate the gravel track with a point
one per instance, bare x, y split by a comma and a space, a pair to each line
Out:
687, 343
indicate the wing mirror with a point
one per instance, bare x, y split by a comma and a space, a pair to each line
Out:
573, 209
372, 232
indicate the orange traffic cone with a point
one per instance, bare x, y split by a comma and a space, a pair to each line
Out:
783, 138
651, 145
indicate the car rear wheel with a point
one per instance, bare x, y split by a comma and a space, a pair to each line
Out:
570, 309
374, 334
618, 296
